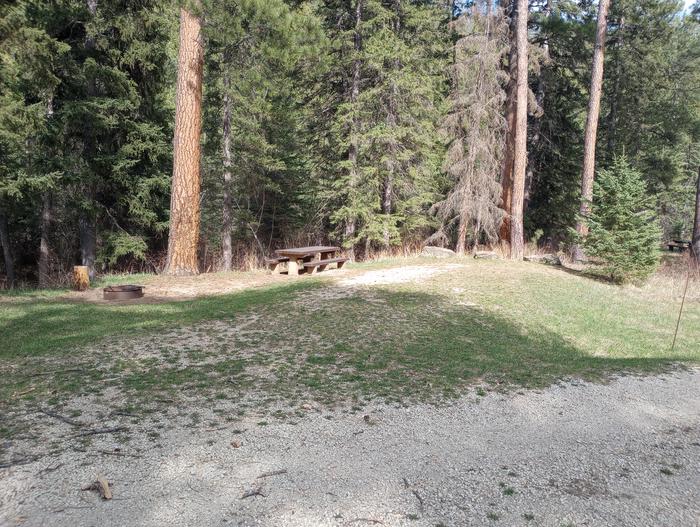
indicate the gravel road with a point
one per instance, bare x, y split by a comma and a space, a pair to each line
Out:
622, 454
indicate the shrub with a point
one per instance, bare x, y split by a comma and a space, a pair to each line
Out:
624, 233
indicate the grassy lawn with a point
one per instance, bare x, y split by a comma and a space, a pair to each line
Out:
481, 325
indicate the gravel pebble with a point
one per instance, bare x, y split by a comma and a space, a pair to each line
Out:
626, 453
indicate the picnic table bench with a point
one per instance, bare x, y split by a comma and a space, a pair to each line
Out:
306, 259
681, 245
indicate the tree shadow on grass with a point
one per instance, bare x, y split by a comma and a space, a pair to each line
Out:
59, 326
383, 344
409, 345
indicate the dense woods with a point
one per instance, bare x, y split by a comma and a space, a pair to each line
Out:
232, 127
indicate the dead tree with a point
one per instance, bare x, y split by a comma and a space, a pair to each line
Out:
520, 150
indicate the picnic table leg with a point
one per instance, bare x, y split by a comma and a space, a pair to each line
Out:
293, 267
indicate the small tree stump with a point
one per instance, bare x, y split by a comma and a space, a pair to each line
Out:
81, 278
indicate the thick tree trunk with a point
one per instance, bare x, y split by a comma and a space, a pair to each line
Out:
184, 197
588, 171
46, 217
227, 209
520, 151
7, 251
351, 222
509, 147
695, 243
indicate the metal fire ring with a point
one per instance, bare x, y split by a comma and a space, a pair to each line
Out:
122, 292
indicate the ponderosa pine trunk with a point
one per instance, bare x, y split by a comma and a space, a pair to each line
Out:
509, 146
45, 230
520, 150
7, 250
589, 143
353, 151
227, 208
184, 196
695, 242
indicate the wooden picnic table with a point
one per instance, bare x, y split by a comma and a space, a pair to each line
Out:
306, 258
681, 245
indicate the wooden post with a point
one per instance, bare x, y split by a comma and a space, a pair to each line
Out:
292, 267
81, 278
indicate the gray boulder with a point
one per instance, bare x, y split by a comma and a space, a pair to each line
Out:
548, 259
437, 252
486, 255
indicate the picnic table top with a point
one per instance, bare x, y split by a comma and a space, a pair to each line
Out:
306, 251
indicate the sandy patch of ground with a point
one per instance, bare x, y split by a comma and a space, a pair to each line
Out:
161, 288
398, 275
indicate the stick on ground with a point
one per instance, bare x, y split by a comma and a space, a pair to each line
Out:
255, 491
272, 473
97, 431
60, 417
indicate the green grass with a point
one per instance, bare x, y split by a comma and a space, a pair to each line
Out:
40, 325
492, 324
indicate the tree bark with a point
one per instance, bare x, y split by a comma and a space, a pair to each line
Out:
351, 222
227, 210
462, 234
588, 171
695, 243
81, 278
7, 251
509, 146
184, 197
46, 217
520, 150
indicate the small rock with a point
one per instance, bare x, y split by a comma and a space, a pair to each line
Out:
437, 252
236, 444
548, 259
486, 255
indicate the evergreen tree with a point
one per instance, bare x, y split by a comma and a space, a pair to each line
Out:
624, 231
652, 101
396, 115
256, 173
